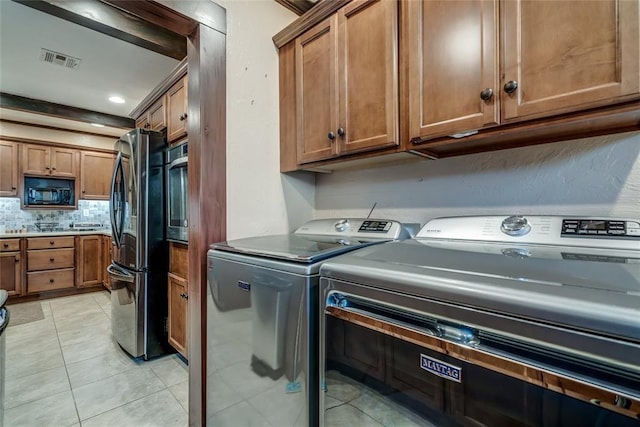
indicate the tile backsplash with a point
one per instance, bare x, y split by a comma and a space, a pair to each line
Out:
14, 218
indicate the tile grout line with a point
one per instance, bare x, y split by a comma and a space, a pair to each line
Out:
73, 396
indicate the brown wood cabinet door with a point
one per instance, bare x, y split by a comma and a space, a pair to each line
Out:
143, 121
157, 115
95, 175
89, 262
317, 92
368, 75
176, 105
567, 55
36, 160
451, 57
178, 305
11, 273
64, 162
8, 168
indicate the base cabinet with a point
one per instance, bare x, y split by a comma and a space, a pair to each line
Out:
10, 266
107, 255
178, 327
89, 260
50, 263
178, 303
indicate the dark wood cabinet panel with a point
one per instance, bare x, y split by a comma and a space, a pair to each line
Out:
95, 175
51, 161
566, 57
368, 78
89, 260
176, 110
452, 57
178, 306
11, 272
8, 168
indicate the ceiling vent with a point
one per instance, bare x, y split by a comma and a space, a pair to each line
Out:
60, 59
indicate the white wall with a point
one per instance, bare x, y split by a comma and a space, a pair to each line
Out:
259, 199
593, 176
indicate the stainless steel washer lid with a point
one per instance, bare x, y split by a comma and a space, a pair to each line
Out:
293, 248
596, 295
320, 239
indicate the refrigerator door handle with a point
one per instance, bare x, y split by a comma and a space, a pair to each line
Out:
112, 208
120, 275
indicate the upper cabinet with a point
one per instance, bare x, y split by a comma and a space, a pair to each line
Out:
562, 56
177, 110
452, 72
95, 175
346, 82
469, 67
50, 161
8, 169
440, 78
155, 118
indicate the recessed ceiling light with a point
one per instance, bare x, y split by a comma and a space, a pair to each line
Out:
98, 125
116, 99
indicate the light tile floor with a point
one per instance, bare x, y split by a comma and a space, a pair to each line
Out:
66, 370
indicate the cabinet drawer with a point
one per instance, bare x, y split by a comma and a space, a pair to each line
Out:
8, 245
50, 259
50, 280
50, 242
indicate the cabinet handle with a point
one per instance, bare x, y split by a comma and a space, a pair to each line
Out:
6, 245
84, 191
13, 188
46, 167
51, 242
51, 280
340, 131
16, 259
183, 117
51, 259
510, 86
331, 136
486, 94
184, 296
53, 168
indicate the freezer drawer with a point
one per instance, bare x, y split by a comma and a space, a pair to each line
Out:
127, 309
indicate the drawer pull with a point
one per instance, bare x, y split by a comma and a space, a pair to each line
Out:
51, 242
51, 280
16, 259
51, 259
6, 245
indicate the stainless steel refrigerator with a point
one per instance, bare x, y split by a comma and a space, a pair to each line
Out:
138, 271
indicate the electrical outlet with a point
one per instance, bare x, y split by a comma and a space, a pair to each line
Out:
85, 212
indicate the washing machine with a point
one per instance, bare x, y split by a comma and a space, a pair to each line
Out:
263, 314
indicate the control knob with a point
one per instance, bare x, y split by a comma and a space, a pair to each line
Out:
515, 226
342, 225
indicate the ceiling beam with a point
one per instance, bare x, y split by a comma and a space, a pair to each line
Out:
21, 103
100, 16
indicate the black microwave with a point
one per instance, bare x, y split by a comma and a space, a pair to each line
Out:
49, 192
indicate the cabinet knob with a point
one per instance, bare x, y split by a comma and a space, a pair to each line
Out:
51, 259
486, 94
51, 242
51, 280
46, 167
6, 245
184, 296
183, 117
16, 259
510, 86
13, 188
331, 136
340, 131
84, 191
53, 168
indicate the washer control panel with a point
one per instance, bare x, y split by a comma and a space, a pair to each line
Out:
360, 228
600, 228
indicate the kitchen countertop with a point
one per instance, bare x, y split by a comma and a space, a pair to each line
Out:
53, 233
